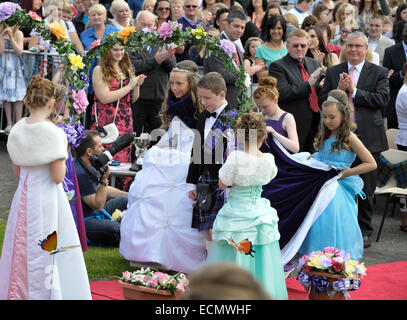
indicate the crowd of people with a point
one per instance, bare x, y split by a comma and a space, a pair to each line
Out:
327, 79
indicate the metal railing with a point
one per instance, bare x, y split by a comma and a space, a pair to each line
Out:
35, 57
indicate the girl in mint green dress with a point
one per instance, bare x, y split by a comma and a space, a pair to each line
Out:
246, 215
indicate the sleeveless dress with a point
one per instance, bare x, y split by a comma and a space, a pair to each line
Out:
246, 215
157, 226
12, 82
124, 123
39, 208
338, 224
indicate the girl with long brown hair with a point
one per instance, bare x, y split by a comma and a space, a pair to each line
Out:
338, 146
116, 87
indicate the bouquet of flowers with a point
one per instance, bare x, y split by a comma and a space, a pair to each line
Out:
330, 261
156, 279
118, 215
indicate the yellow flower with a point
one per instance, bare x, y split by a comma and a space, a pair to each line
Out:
350, 266
58, 30
76, 61
125, 33
198, 33
315, 262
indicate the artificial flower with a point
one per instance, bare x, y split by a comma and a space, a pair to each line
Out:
94, 44
126, 275
34, 16
58, 30
165, 31
125, 33
80, 101
156, 279
198, 33
76, 62
228, 47
7, 9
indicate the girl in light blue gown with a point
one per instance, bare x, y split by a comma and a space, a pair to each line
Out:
246, 215
338, 146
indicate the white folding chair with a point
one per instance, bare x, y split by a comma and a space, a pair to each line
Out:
391, 135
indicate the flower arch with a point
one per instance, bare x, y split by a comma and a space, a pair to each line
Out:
78, 66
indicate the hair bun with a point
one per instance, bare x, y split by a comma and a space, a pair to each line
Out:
36, 82
268, 81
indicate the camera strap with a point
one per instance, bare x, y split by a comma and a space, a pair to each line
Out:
91, 173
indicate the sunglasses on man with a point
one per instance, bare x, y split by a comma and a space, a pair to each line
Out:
191, 6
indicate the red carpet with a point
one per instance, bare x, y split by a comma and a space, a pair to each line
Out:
382, 282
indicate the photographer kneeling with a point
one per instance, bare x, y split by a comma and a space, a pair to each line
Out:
94, 190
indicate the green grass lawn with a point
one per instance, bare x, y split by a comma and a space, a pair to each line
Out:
101, 263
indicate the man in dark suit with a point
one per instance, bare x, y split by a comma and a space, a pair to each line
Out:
210, 146
296, 95
236, 22
368, 89
156, 63
395, 58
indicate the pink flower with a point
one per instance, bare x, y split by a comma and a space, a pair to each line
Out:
94, 44
165, 31
180, 287
331, 250
153, 282
126, 275
34, 16
80, 101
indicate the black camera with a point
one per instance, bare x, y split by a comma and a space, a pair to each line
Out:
99, 161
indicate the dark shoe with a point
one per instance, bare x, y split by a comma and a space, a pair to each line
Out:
366, 242
403, 228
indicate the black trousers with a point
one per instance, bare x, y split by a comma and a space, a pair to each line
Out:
106, 232
365, 207
146, 115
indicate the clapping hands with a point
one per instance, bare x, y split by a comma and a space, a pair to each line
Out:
346, 83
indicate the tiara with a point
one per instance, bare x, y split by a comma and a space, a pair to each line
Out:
180, 70
332, 99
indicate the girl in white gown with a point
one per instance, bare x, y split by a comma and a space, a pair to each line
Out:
157, 226
41, 256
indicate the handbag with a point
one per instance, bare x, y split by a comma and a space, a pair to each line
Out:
109, 132
204, 199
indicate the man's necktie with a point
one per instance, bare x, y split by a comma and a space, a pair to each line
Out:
237, 57
210, 114
352, 106
313, 98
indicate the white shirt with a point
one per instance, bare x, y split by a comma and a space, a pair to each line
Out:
209, 122
401, 110
356, 74
299, 14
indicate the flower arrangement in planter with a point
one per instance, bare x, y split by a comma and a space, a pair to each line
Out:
152, 284
329, 274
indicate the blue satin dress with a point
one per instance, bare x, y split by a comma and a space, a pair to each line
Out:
338, 225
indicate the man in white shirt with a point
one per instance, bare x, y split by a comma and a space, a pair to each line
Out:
301, 10
377, 42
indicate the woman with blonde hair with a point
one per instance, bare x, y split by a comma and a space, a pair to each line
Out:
292, 20
344, 11
116, 87
120, 11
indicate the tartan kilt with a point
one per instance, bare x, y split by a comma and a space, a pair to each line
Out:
205, 220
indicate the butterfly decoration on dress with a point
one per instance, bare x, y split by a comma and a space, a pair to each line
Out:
244, 246
50, 244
